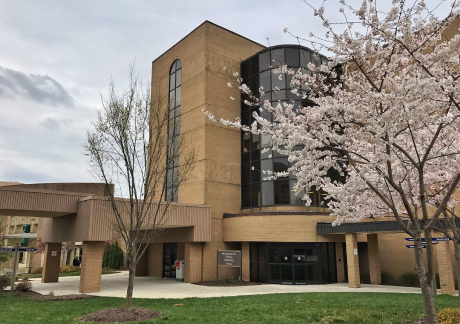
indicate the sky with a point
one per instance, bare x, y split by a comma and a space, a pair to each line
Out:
57, 59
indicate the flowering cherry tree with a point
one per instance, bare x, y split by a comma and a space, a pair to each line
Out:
386, 117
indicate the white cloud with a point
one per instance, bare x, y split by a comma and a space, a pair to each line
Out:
61, 54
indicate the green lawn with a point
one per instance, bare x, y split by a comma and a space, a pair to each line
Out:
324, 308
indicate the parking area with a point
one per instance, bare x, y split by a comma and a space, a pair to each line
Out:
114, 285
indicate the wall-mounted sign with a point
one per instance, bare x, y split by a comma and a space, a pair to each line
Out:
20, 249
53, 253
422, 246
434, 239
27, 249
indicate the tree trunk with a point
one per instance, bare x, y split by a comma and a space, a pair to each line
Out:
132, 271
457, 260
425, 284
129, 291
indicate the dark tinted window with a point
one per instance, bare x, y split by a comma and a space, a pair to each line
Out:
277, 57
172, 179
292, 57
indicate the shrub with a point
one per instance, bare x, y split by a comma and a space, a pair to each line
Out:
65, 269
75, 268
230, 281
4, 282
409, 279
25, 278
449, 316
113, 256
51, 293
38, 270
387, 278
23, 285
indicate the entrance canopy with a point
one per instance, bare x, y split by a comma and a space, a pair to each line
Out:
82, 211
371, 227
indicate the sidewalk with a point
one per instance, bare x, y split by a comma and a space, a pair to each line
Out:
114, 285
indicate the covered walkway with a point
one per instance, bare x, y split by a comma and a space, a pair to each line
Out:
82, 212
371, 229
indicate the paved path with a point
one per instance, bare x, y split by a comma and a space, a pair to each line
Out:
114, 285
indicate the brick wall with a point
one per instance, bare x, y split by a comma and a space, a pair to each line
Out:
193, 262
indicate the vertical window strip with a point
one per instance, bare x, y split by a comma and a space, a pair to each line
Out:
172, 179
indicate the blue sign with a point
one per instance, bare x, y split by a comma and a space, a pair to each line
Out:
423, 245
25, 249
440, 239
434, 239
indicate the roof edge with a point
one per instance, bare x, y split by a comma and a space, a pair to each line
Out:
209, 22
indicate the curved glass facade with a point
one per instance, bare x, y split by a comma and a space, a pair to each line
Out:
172, 179
256, 73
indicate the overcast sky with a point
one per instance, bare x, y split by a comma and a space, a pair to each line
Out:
57, 57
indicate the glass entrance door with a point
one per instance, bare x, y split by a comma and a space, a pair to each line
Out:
289, 265
169, 257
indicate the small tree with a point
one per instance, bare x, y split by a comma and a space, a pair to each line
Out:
391, 125
128, 147
4, 256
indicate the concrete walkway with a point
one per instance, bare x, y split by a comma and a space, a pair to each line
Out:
114, 285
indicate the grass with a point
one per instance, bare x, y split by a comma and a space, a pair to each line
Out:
313, 308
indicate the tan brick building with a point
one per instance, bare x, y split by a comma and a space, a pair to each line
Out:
225, 204
281, 240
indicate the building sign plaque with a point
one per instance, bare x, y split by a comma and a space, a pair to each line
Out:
229, 258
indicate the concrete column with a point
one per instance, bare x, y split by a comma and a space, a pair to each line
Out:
352, 260
141, 266
72, 256
193, 256
155, 258
339, 260
446, 273
51, 263
374, 259
245, 265
91, 266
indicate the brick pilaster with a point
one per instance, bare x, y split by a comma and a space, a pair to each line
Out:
374, 259
192, 261
51, 263
446, 274
91, 266
352, 260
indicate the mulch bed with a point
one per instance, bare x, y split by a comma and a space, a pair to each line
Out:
118, 315
420, 320
226, 283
